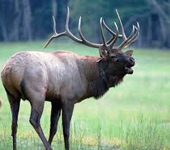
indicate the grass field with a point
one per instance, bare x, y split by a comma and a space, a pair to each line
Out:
133, 116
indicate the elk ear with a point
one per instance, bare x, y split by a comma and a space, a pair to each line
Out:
104, 54
129, 53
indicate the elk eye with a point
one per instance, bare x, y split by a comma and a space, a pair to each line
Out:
114, 58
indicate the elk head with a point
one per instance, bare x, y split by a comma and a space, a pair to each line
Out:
114, 60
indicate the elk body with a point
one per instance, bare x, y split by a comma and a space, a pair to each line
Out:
65, 78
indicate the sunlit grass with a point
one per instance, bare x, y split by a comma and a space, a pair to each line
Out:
133, 116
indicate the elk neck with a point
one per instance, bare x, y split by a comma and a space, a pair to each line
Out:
98, 79
108, 79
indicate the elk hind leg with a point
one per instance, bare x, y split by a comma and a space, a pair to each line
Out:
37, 106
15, 104
55, 115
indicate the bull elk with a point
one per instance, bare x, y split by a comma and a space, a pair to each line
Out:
65, 78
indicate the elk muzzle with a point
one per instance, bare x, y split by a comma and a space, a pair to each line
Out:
130, 64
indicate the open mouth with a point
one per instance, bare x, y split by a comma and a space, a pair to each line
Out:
128, 70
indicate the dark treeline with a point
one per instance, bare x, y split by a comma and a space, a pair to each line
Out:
30, 20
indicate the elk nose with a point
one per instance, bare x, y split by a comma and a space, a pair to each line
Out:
132, 61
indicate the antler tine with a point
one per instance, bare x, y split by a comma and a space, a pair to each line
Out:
121, 25
83, 38
116, 36
68, 33
55, 33
108, 29
131, 38
135, 37
54, 25
49, 41
102, 33
138, 31
123, 44
113, 33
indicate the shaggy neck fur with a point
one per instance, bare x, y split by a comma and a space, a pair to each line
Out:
97, 86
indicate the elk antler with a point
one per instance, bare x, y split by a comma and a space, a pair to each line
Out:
133, 36
106, 44
115, 35
70, 35
83, 40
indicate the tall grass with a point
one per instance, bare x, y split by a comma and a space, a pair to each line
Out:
133, 116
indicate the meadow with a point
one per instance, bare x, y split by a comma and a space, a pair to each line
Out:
133, 116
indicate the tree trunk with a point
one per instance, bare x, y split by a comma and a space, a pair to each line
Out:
27, 32
4, 31
16, 21
149, 32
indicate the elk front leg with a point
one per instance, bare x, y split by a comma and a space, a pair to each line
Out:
14, 103
55, 115
67, 111
36, 112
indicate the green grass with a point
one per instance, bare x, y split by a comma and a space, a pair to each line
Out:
133, 116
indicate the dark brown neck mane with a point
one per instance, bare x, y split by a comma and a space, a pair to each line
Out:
97, 86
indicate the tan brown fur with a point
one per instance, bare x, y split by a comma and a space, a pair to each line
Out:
55, 68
